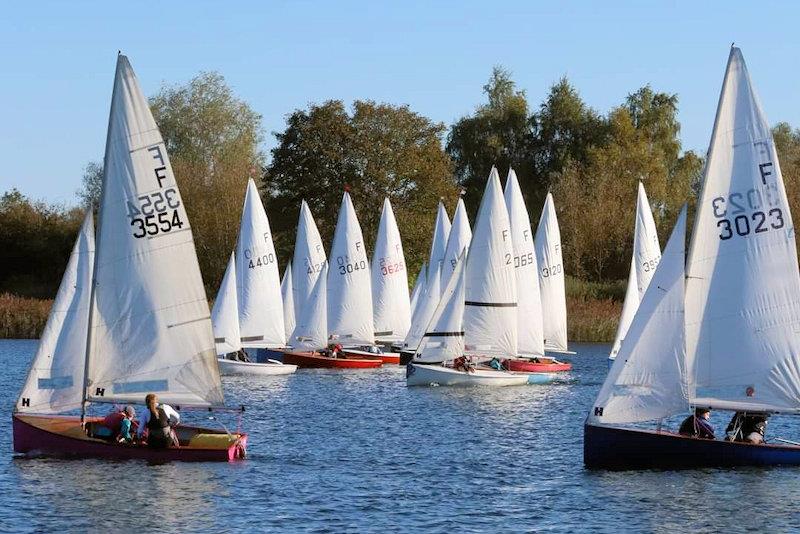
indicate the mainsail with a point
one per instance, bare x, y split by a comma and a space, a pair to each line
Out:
457, 242
419, 287
56, 374
444, 337
645, 381
311, 331
349, 284
441, 231
645, 258
287, 295
258, 278
490, 314
428, 300
551, 278
390, 301
743, 287
308, 261
150, 329
529, 299
225, 313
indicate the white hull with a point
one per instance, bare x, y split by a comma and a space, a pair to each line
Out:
271, 368
439, 375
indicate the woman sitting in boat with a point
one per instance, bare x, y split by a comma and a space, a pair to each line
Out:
747, 428
159, 420
697, 425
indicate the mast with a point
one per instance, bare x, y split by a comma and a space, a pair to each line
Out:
98, 229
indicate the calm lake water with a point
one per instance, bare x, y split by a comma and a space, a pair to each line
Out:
336, 451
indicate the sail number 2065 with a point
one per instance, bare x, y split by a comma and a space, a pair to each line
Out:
156, 213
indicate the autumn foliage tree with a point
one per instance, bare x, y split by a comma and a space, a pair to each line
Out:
377, 151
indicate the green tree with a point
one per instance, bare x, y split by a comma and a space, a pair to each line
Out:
787, 143
91, 185
498, 133
378, 151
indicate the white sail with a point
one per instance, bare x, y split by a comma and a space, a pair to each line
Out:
441, 231
645, 258
419, 287
428, 300
225, 313
645, 381
349, 284
150, 330
308, 260
444, 337
287, 295
743, 287
490, 314
391, 307
257, 277
529, 299
311, 330
55, 377
457, 242
551, 278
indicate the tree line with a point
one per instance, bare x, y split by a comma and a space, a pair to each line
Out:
590, 161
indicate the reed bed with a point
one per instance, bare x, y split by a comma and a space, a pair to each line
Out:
22, 318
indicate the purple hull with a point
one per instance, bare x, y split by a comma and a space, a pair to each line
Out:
624, 448
36, 435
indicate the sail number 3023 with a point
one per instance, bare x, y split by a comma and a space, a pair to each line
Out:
743, 214
156, 213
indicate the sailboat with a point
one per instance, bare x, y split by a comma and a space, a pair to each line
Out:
390, 301
531, 357
551, 279
120, 329
287, 296
258, 293
646, 254
479, 309
719, 333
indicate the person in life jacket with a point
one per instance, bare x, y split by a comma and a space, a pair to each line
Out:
697, 425
747, 428
159, 420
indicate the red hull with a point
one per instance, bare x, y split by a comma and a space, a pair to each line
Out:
312, 360
62, 436
527, 366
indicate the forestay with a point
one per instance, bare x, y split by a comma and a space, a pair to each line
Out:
150, 330
225, 313
428, 300
529, 299
308, 261
444, 337
645, 258
349, 285
743, 287
551, 278
490, 314
311, 331
390, 301
457, 241
441, 231
56, 373
646, 380
287, 296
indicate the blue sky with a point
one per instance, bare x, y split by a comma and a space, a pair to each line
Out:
58, 61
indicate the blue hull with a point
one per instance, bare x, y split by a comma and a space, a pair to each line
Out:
623, 448
542, 378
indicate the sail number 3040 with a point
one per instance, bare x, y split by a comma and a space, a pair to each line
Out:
156, 213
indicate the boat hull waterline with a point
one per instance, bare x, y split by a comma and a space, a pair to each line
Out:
269, 368
62, 436
623, 448
318, 361
439, 375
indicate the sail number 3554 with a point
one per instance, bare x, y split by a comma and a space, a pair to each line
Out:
156, 213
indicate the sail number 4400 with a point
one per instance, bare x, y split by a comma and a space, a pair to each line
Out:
156, 213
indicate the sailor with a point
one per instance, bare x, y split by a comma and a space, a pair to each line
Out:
747, 428
159, 420
697, 425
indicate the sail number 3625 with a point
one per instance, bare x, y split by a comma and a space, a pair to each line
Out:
156, 213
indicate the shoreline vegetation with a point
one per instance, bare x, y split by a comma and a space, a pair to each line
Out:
593, 310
